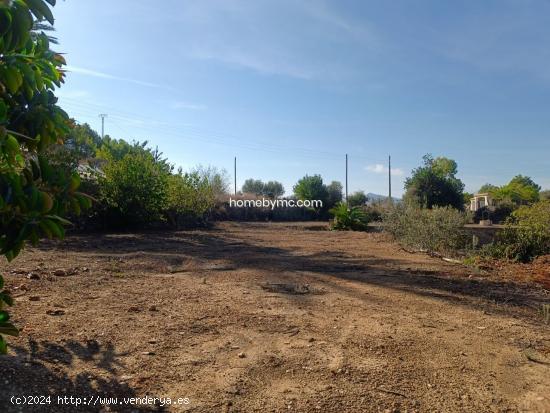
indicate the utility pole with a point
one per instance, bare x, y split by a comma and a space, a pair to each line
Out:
102, 116
346, 178
235, 174
389, 178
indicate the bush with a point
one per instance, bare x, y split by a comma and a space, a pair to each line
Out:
190, 199
526, 236
375, 212
346, 218
440, 229
358, 198
134, 190
497, 214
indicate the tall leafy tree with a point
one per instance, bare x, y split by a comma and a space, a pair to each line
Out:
310, 188
274, 189
253, 186
335, 193
218, 179
487, 188
34, 196
521, 190
435, 184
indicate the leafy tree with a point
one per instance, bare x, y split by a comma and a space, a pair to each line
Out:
273, 189
218, 179
134, 189
34, 196
444, 167
435, 184
253, 186
487, 188
521, 190
79, 147
311, 187
335, 194
43, 27
466, 197
358, 198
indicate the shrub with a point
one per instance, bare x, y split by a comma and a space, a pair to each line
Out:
526, 236
346, 218
190, 199
497, 214
375, 212
134, 190
358, 198
440, 229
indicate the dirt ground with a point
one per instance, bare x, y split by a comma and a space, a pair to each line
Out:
272, 318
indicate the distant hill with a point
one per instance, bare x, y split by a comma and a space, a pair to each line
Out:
375, 198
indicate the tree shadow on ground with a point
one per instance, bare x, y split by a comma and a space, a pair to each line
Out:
162, 247
40, 369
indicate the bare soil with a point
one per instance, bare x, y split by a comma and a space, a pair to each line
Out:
270, 318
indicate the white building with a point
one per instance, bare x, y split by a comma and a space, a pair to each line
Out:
480, 201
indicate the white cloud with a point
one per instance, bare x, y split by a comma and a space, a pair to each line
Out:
103, 75
382, 169
260, 36
72, 94
187, 105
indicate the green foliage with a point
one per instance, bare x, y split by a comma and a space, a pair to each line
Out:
274, 189
271, 189
497, 214
218, 179
134, 189
358, 198
487, 188
335, 195
190, 198
435, 184
440, 229
78, 148
311, 187
253, 186
521, 190
34, 196
6, 328
526, 236
345, 218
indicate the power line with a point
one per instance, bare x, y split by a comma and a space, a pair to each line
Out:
216, 137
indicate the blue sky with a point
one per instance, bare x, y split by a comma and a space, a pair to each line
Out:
290, 87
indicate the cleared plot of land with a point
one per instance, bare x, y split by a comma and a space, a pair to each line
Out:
272, 317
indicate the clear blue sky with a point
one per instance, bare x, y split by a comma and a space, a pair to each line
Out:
289, 87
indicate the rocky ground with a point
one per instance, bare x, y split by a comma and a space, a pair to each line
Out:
272, 318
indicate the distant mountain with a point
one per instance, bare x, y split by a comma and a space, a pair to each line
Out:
375, 198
